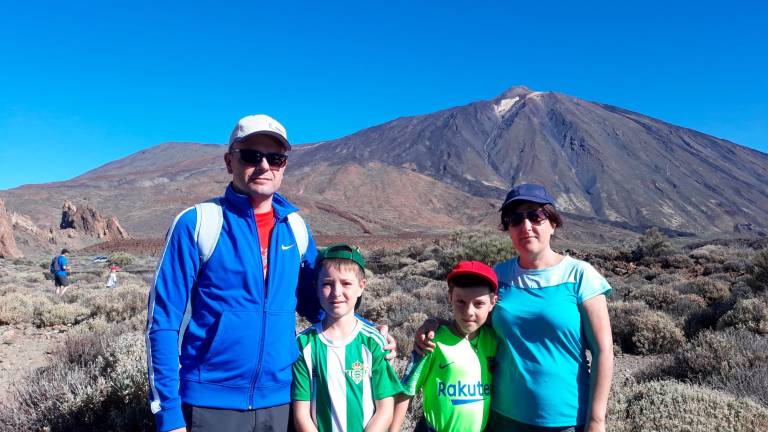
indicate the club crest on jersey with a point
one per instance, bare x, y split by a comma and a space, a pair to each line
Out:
358, 372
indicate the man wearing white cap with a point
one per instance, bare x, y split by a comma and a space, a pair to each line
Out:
221, 318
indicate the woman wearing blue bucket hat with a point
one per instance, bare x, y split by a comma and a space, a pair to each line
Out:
551, 309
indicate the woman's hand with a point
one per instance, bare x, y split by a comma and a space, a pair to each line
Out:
595, 426
422, 340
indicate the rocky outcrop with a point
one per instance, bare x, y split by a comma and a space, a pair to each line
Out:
88, 221
8, 248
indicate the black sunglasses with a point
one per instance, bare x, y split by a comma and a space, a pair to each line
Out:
536, 217
254, 157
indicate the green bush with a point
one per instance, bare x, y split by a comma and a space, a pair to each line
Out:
121, 259
652, 244
748, 314
489, 247
676, 407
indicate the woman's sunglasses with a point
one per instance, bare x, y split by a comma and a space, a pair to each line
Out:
254, 157
536, 217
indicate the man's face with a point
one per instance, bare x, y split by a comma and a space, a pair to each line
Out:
257, 181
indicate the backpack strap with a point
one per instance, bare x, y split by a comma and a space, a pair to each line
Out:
210, 219
300, 232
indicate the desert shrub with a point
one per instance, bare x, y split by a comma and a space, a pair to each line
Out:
709, 254
712, 357
655, 333
639, 330
735, 266
748, 314
60, 314
83, 279
119, 304
676, 407
706, 288
621, 314
429, 269
657, 297
676, 261
121, 259
747, 382
105, 390
652, 244
758, 271
17, 307
382, 261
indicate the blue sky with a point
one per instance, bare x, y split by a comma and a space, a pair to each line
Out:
87, 82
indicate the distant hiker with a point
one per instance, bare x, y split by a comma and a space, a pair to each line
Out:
551, 309
344, 350
112, 278
464, 356
61, 270
221, 317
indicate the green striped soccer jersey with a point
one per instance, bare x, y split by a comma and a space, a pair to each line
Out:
456, 380
342, 379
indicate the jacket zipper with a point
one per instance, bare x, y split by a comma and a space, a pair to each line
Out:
260, 360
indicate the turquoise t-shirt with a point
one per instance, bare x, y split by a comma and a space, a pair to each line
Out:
542, 377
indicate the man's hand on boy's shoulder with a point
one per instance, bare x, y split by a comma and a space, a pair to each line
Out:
391, 347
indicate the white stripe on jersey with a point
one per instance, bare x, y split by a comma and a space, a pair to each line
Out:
312, 384
368, 406
337, 386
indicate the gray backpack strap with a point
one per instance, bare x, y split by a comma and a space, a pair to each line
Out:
210, 219
300, 232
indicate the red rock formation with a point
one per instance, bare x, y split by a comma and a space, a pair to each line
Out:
8, 248
87, 220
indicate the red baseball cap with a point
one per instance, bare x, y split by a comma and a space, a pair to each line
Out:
475, 268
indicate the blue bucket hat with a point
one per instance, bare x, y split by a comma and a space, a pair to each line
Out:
528, 192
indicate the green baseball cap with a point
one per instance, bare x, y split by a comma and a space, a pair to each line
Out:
341, 251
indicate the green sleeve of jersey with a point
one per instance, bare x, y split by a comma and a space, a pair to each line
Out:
384, 380
416, 373
302, 380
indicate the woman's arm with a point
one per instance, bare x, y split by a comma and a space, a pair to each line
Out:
383, 416
302, 417
598, 331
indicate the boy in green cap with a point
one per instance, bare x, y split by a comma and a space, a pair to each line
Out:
341, 381
456, 376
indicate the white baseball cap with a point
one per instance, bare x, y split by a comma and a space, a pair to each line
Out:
259, 124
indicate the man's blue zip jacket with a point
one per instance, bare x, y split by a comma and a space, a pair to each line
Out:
214, 338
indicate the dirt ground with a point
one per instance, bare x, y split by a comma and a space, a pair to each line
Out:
24, 348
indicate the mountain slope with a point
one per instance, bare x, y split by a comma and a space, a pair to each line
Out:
605, 165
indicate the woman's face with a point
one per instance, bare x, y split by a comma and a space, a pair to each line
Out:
531, 238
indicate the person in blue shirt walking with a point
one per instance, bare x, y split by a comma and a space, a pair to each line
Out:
61, 271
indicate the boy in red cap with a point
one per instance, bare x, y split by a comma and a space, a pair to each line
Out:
456, 376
